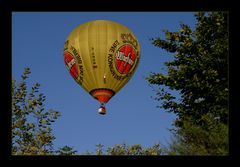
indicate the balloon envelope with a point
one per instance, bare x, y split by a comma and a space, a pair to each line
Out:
101, 56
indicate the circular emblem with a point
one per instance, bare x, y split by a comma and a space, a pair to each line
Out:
125, 58
71, 64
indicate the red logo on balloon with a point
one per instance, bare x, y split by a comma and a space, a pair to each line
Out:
71, 64
125, 58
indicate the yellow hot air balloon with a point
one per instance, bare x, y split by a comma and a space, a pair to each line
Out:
101, 56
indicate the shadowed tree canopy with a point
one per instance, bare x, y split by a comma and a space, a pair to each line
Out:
199, 72
124, 149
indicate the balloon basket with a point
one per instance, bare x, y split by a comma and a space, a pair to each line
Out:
102, 110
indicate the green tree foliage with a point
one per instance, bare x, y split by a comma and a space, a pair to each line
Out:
199, 72
124, 149
31, 123
66, 150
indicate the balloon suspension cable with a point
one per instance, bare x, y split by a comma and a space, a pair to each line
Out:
102, 109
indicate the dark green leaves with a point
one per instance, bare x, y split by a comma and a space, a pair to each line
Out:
66, 150
199, 72
124, 149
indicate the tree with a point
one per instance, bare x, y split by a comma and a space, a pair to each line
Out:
66, 150
199, 72
124, 149
31, 123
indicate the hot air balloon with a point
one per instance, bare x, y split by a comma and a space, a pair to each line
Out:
101, 56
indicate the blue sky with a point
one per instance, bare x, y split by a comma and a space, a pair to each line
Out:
132, 116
